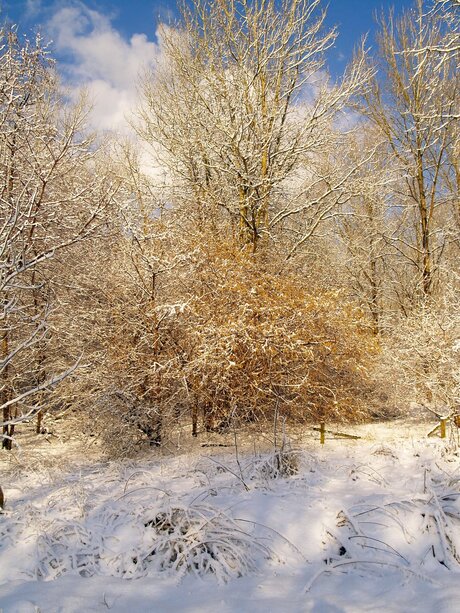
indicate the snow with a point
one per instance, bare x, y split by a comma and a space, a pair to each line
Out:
354, 525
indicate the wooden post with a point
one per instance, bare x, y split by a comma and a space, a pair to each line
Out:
443, 428
322, 433
38, 429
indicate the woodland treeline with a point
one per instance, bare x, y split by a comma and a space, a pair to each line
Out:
270, 242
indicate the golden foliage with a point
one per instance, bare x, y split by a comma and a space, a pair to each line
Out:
243, 340
258, 339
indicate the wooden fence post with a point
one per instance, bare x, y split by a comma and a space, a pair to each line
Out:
322, 433
443, 428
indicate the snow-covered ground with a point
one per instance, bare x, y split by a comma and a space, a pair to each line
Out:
357, 525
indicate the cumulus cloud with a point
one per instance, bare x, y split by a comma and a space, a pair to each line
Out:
97, 57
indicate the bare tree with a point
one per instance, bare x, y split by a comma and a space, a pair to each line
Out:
240, 104
364, 224
449, 44
413, 102
51, 198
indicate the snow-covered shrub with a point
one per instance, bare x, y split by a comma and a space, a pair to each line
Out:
263, 341
201, 540
123, 541
416, 535
68, 547
244, 343
283, 462
421, 354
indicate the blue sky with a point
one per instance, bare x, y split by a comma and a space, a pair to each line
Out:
103, 44
353, 17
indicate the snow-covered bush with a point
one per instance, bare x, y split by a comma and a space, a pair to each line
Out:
134, 541
279, 464
422, 354
260, 341
416, 535
201, 540
245, 343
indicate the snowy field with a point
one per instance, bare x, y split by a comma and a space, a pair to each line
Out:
357, 525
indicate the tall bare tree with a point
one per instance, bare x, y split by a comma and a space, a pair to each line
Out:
239, 104
413, 102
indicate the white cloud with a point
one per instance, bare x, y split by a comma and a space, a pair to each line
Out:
313, 86
101, 60
33, 9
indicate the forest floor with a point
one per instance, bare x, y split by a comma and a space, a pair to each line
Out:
371, 524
